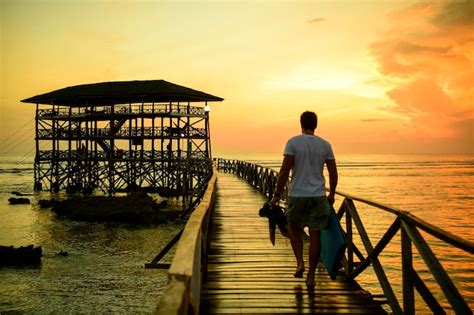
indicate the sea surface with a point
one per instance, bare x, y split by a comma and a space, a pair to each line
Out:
104, 269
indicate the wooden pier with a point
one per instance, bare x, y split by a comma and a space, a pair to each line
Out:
225, 263
246, 274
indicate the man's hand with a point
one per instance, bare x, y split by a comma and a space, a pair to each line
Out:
286, 166
332, 170
275, 201
331, 198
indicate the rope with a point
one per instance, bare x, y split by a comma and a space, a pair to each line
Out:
12, 145
26, 156
4, 141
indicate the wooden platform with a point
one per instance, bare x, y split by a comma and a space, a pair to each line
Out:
247, 274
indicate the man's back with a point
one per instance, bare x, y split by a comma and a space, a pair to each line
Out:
310, 153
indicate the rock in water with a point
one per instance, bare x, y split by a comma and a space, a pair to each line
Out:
62, 253
137, 208
44, 203
18, 201
21, 256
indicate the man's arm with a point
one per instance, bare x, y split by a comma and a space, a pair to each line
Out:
332, 170
286, 166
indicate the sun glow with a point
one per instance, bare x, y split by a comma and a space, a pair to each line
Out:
390, 68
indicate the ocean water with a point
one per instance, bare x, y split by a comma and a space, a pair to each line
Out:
104, 269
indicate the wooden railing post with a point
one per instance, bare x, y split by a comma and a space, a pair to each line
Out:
379, 272
183, 291
407, 266
452, 294
350, 251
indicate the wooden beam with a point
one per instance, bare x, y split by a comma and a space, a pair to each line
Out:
433, 230
386, 238
185, 269
384, 283
450, 291
439, 233
349, 241
165, 250
175, 298
407, 282
425, 293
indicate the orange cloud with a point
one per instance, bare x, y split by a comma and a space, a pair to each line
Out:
316, 20
429, 53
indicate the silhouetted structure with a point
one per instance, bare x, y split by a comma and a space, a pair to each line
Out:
123, 136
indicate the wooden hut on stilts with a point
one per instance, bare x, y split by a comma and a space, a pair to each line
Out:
150, 136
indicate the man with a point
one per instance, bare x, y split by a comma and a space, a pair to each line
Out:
305, 155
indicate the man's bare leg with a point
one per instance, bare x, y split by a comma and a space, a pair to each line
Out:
297, 246
314, 252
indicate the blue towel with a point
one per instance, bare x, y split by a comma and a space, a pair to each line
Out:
333, 245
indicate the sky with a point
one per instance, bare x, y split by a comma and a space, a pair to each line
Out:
383, 76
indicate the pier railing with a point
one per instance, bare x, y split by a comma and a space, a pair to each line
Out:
264, 180
121, 110
189, 265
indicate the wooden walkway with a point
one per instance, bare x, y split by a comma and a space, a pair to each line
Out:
246, 274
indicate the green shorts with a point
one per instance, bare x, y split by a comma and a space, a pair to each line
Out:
308, 211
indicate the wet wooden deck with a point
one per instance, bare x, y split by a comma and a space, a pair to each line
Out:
246, 274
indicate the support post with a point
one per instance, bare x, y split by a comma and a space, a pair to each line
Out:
111, 152
350, 252
37, 155
407, 266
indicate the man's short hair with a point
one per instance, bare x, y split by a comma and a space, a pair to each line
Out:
309, 120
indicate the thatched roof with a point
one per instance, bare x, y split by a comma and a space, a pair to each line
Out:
107, 93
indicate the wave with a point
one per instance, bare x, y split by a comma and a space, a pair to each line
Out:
16, 170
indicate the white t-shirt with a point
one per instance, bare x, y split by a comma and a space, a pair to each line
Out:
310, 152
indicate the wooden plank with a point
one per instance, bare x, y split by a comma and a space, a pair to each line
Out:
303, 303
285, 295
300, 310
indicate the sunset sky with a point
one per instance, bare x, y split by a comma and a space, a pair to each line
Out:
383, 76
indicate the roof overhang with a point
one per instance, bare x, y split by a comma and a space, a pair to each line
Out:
122, 92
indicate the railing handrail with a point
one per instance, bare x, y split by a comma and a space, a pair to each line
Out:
406, 222
122, 109
435, 231
182, 293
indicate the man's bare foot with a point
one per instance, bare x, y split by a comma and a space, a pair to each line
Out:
299, 272
309, 283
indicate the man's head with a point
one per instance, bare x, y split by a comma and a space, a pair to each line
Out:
309, 121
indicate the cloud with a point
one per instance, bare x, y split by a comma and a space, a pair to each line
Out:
316, 20
428, 54
370, 120
454, 14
